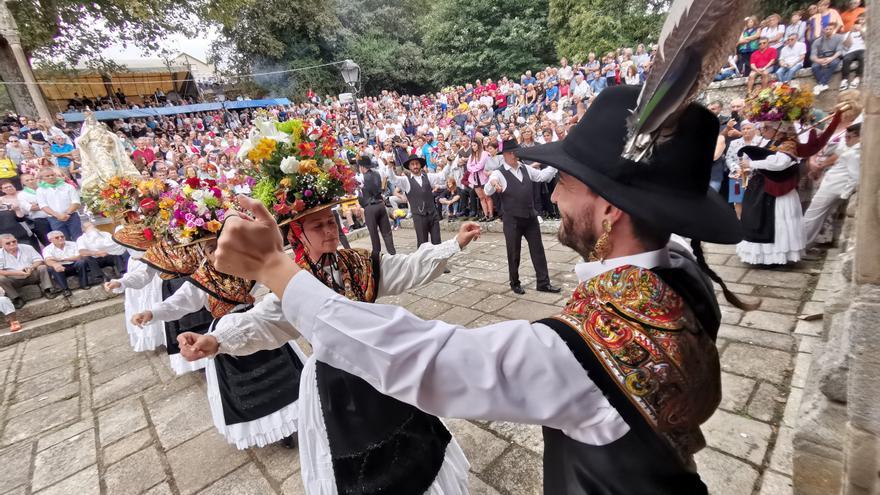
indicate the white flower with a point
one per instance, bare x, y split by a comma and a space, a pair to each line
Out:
246, 146
327, 164
314, 135
198, 195
201, 207
290, 165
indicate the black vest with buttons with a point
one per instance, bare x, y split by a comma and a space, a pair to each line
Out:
421, 197
518, 197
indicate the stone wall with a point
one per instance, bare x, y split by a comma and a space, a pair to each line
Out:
725, 91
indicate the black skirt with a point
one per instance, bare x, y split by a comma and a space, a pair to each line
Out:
758, 212
198, 322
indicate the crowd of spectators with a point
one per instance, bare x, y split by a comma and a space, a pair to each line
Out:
818, 37
459, 131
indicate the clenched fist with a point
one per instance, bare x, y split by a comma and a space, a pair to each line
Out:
194, 346
142, 318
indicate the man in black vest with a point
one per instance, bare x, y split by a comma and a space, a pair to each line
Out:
513, 182
623, 376
374, 206
419, 190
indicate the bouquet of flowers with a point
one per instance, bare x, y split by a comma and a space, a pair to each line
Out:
780, 102
300, 172
113, 199
193, 212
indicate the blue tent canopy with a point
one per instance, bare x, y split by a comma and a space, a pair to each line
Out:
198, 107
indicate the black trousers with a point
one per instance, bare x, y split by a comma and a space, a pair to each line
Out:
427, 226
514, 230
377, 221
41, 228
81, 268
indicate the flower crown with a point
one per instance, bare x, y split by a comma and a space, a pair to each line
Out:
192, 212
299, 167
780, 102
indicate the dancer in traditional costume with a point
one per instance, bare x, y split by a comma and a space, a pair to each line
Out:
253, 396
352, 439
624, 375
142, 288
772, 217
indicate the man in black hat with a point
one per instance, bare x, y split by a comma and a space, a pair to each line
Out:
419, 190
374, 205
513, 182
623, 376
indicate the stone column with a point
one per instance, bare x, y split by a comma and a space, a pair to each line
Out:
867, 266
9, 31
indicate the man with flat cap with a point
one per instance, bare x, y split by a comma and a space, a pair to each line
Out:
622, 377
513, 182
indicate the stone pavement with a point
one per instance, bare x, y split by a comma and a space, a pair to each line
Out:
81, 413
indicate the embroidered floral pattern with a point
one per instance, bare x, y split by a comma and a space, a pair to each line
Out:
650, 343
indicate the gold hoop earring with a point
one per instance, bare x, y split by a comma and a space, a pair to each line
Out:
602, 248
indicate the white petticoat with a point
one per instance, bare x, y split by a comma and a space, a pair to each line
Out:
789, 239
260, 432
181, 366
314, 448
152, 335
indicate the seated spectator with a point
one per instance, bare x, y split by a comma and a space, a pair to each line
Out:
8, 169
100, 246
449, 199
64, 259
791, 58
854, 44
64, 153
8, 310
12, 215
353, 214
762, 62
826, 55
61, 202
728, 71
22, 265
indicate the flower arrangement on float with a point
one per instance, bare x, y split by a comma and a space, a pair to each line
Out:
300, 172
112, 199
781, 102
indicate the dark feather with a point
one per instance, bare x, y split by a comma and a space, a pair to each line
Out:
696, 39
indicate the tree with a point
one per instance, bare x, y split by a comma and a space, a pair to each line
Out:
74, 31
603, 25
464, 40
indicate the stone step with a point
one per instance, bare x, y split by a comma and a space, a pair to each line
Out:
42, 307
66, 319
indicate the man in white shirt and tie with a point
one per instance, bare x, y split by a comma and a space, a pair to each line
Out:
513, 182
22, 265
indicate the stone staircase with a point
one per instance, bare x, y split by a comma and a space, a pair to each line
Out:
41, 316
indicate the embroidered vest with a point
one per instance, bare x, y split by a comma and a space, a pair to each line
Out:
378, 444
653, 347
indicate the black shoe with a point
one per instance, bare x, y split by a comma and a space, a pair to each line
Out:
446, 270
49, 294
288, 442
549, 288
517, 289
18, 303
66, 293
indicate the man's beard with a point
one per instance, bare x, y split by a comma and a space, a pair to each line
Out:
577, 233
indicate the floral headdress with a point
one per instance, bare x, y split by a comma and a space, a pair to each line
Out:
112, 199
299, 168
193, 212
780, 102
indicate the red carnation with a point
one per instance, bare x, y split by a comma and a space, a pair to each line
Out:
193, 182
217, 192
211, 183
148, 204
299, 205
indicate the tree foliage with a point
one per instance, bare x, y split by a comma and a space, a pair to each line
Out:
466, 40
582, 26
74, 31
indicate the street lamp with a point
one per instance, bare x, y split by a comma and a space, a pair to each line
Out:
351, 74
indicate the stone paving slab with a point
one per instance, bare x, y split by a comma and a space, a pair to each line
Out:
82, 414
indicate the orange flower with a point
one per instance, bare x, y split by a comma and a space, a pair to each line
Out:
213, 226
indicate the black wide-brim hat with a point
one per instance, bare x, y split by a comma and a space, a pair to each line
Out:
415, 158
668, 190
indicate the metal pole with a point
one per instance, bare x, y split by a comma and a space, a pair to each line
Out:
9, 30
357, 113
